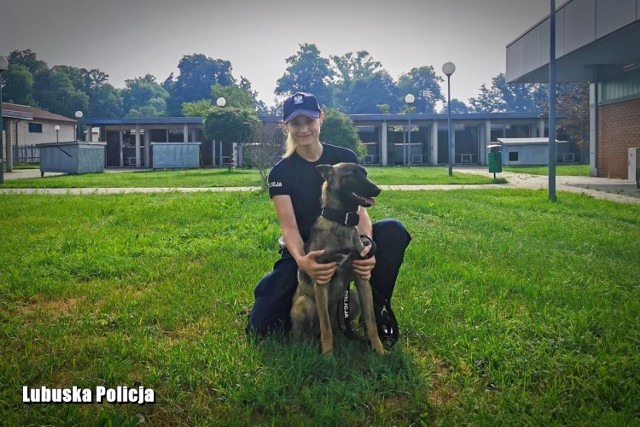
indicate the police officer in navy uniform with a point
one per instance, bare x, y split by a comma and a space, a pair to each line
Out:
295, 187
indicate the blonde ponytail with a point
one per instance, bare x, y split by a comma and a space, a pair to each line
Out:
290, 146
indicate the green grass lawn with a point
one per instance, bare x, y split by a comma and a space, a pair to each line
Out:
233, 178
513, 310
561, 170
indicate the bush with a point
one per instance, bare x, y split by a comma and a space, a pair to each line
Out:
338, 129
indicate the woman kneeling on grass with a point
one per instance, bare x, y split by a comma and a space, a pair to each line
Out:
295, 187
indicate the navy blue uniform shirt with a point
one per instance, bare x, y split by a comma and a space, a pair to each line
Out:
299, 179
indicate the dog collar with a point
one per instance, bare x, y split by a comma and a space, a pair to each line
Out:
350, 219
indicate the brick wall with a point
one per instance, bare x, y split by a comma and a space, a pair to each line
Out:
618, 130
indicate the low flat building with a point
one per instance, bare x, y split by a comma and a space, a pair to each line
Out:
386, 137
532, 151
25, 126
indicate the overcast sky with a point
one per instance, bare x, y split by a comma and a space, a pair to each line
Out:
131, 38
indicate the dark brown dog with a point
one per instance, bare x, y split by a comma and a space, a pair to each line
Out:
346, 188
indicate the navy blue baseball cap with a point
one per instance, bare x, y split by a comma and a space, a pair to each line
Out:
300, 103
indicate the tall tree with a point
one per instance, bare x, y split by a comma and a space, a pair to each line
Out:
21, 61
28, 59
140, 91
234, 95
156, 107
424, 85
245, 85
368, 92
198, 73
56, 93
103, 99
308, 72
457, 106
350, 68
18, 85
510, 98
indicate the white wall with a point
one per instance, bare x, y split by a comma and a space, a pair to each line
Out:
24, 137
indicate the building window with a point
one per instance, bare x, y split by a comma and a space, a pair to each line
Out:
35, 127
513, 156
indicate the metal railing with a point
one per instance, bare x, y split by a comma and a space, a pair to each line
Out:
26, 154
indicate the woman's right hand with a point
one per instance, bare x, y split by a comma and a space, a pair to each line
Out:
320, 273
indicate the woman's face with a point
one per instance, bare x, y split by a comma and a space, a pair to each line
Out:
305, 130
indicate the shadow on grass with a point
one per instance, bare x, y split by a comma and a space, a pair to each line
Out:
352, 386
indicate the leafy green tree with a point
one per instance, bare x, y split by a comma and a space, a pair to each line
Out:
55, 93
308, 72
140, 92
200, 108
362, 84
235, 96
366, 93
21, 60
245, 85
383, 108
18, 85
230, 124
457, 106
105, 101
424, 85
338, 129
156, 107
352, 67
198, 74
29, 60
573, 106
510, 98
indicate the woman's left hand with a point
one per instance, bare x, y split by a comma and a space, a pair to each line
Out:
363, 267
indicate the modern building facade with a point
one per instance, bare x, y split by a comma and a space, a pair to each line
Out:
129, 142
597, 41
386, 137
388, 142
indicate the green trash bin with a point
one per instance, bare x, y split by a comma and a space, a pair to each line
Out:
495, 159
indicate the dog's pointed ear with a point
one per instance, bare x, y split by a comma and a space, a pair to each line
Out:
326, 171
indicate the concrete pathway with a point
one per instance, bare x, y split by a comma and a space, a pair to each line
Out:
618, 190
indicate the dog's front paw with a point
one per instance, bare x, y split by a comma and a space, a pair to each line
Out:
377, 346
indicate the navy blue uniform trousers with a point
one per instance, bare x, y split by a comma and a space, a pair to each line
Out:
274, 293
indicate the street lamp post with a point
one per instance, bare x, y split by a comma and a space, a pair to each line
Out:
220, 102
79, 117
409, 99
57, 128
449, 68
552, 102
4, 64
